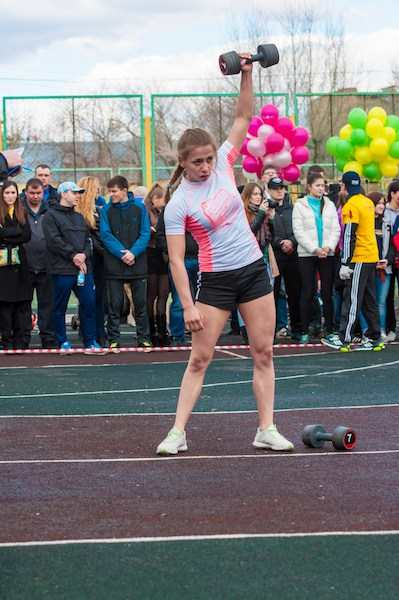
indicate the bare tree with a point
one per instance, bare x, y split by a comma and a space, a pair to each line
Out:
312, 47
395, 73
101, 133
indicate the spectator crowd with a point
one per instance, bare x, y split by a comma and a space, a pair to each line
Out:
331, 255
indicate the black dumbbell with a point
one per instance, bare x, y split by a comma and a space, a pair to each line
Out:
267, 55
342, 438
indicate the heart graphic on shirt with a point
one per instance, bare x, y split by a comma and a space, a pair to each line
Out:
218, 209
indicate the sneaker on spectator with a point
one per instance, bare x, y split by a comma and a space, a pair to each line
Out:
130, 320
390, 336
146, 344
174, 442
94, 348
271, 439
114, 347
66, 348
304, 339
371, 345
283, 332
332, 341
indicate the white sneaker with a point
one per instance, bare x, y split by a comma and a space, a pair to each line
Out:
273, 440
390, 336
174, 442
332, 341
283, 332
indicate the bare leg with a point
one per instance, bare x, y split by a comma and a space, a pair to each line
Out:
203, 347
259, 316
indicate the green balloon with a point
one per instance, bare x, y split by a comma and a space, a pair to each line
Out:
357, 118
341, 162
372, 171
394, 150
343, 149
392, 121
331, 145
359, 137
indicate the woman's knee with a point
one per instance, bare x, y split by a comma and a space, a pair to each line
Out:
262, 355
199, 362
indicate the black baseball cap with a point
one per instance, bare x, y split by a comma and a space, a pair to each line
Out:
275, 183
352, 182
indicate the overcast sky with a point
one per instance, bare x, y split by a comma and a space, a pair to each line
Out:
85, 46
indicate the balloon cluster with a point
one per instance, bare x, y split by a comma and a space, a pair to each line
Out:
275, 141
367, 144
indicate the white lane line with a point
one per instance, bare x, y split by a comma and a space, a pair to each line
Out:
197, 538
162, 362
207, 385
234, 354
262, 455
204, 412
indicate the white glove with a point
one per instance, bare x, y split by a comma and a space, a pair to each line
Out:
345, 272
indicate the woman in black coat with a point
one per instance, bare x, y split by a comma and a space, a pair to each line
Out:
15, 287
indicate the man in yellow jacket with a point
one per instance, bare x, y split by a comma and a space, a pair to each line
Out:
358, 268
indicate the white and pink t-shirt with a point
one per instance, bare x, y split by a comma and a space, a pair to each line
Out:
213, 212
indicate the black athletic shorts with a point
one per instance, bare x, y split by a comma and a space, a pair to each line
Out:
226, 289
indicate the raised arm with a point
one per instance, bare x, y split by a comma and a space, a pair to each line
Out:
244, 106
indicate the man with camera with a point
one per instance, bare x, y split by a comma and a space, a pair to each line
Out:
284, 246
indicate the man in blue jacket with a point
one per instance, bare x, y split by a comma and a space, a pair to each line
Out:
125, 233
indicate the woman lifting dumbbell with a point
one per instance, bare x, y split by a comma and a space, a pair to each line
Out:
202, 197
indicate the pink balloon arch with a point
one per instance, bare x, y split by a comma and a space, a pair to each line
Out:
273, 140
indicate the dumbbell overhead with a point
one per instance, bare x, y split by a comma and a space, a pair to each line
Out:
342, 438
267, 55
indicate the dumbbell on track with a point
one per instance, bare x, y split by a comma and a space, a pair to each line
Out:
266, 54
342, 438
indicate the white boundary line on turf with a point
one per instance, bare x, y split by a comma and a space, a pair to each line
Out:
197, 538
234, 354
206, 385
169, 362
204, 412
181, 457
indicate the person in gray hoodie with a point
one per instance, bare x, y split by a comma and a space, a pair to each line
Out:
36, 253
390, 215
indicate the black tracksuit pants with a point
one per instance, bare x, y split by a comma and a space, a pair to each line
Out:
289, 271
309, 266
43, 284
360, 295
114, 289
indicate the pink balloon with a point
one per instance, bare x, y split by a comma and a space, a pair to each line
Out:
284, 126
274, 143
264, 131
250, 164
299, 137
300, 155
269, 114
254, 125
256, 147
244, 147
259, 171
291, 173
